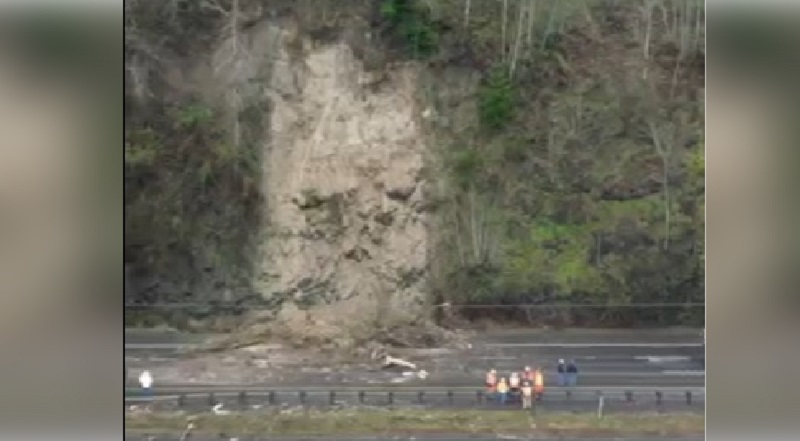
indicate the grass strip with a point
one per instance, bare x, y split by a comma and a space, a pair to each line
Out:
418, 421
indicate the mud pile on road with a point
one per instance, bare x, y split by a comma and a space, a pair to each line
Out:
326, 331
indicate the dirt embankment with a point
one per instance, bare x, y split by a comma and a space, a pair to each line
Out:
343, 246
344, 194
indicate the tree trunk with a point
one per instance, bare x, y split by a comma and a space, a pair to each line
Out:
504, 24
647, 11
517, 41
665, 183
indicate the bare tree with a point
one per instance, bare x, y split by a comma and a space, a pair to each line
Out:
521, 11
552, 22
647, 19
659, 144
504, 24
531, 22
684, 22
474, 241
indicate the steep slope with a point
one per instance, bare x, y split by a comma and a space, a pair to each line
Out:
342, 178
329, 166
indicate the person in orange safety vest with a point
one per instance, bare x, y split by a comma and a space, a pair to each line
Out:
513, 385
491, 381
513, 382
538, 383
528, 374
502, 390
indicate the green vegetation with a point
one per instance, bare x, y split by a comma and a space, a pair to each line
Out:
584, 181
400, 421
410, 22
496, 99
572, 172
179, 165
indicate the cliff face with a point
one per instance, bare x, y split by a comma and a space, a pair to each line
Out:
289, 154
342, 182
340, 152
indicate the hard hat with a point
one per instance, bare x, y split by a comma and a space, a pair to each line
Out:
561, 361
493, 371
527, 368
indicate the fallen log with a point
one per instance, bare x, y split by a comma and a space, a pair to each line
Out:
390, 362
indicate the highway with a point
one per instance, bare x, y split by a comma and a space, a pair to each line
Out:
133, 437
612, 362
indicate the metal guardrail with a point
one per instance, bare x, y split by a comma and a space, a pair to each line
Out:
228, 388
421, 396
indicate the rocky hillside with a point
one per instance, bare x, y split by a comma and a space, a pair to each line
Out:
366, 159
343, 182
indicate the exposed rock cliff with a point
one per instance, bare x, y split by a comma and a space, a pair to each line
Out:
343, 185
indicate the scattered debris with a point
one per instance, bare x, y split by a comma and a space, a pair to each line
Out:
218, 410
188, 431
391, 362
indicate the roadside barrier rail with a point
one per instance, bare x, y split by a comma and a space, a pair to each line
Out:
419, 396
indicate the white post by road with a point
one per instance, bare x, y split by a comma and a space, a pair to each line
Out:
600, 403
146, 381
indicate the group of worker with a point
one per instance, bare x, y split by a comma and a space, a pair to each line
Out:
528, 385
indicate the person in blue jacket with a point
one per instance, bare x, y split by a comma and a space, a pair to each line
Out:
562, 373
572, 373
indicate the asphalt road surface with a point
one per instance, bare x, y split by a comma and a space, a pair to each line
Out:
137, 437
606, 359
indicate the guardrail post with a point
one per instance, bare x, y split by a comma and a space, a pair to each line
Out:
479, 397
212, 400
181, 400
302, 397
689, 397
332, 397
629, 396
659, 397
243, 398
450, 396
271, 397
600, 404
361, 395
421, 397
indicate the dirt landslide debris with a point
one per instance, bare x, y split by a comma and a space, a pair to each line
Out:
326, 331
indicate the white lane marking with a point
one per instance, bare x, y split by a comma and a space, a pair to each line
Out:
685, 373
550, 365
595, 345
589, 373
158, 346
662, 358
548, 359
